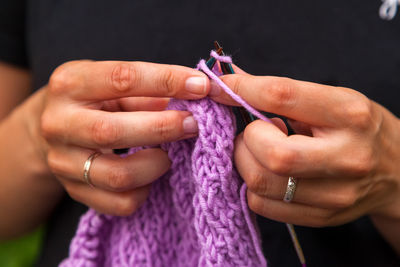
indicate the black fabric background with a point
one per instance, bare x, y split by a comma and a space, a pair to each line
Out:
12, 32
340, 42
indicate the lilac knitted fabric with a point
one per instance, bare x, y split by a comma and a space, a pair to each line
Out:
195, 215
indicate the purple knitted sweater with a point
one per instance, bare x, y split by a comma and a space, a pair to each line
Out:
195, 215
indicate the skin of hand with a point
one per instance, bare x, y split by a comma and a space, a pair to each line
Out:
345, 154
98, 106
28, 191
15, 84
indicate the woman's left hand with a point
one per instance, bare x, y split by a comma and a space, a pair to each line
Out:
345, 153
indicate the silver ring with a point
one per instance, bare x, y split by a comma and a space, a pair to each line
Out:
290, 189
86, 167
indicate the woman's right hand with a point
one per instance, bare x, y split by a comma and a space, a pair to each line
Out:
92, 106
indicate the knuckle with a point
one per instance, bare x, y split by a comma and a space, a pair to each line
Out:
168, 83
280, 161
255, 204
123, 77
118, 179
345, 200
164, 127
237, 85
255, 181
362, 164
324, 218
63, 78
46, 125
126, 205
104, 133
279, 92
360, 113
53, 161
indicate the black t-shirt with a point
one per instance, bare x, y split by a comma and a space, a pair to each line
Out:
342, 42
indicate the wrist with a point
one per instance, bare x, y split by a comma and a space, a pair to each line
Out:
27, 118
25, 178
386, 218
389, 168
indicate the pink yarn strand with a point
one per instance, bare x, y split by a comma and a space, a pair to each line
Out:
252, 229
203, 66
225, 59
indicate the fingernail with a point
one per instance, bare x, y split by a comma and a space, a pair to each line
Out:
190, 125
196, 85
215, 89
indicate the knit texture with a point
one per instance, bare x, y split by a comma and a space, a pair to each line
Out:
195, 215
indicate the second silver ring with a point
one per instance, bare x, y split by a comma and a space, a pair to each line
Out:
290, 189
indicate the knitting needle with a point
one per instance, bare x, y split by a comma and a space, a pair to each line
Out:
297, 245
248, 118
227, 69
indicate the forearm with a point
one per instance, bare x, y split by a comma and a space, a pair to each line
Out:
28, 192
387, 222
387, 219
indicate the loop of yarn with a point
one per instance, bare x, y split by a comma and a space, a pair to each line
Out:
221, 58
196, 214
212, 74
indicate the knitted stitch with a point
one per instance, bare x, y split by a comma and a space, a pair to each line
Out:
196, 214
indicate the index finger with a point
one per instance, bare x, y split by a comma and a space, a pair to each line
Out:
102, 80
308, 102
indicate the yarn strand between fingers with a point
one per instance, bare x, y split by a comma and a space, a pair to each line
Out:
203, 66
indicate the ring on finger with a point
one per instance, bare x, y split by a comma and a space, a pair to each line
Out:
290, 189
86, 167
